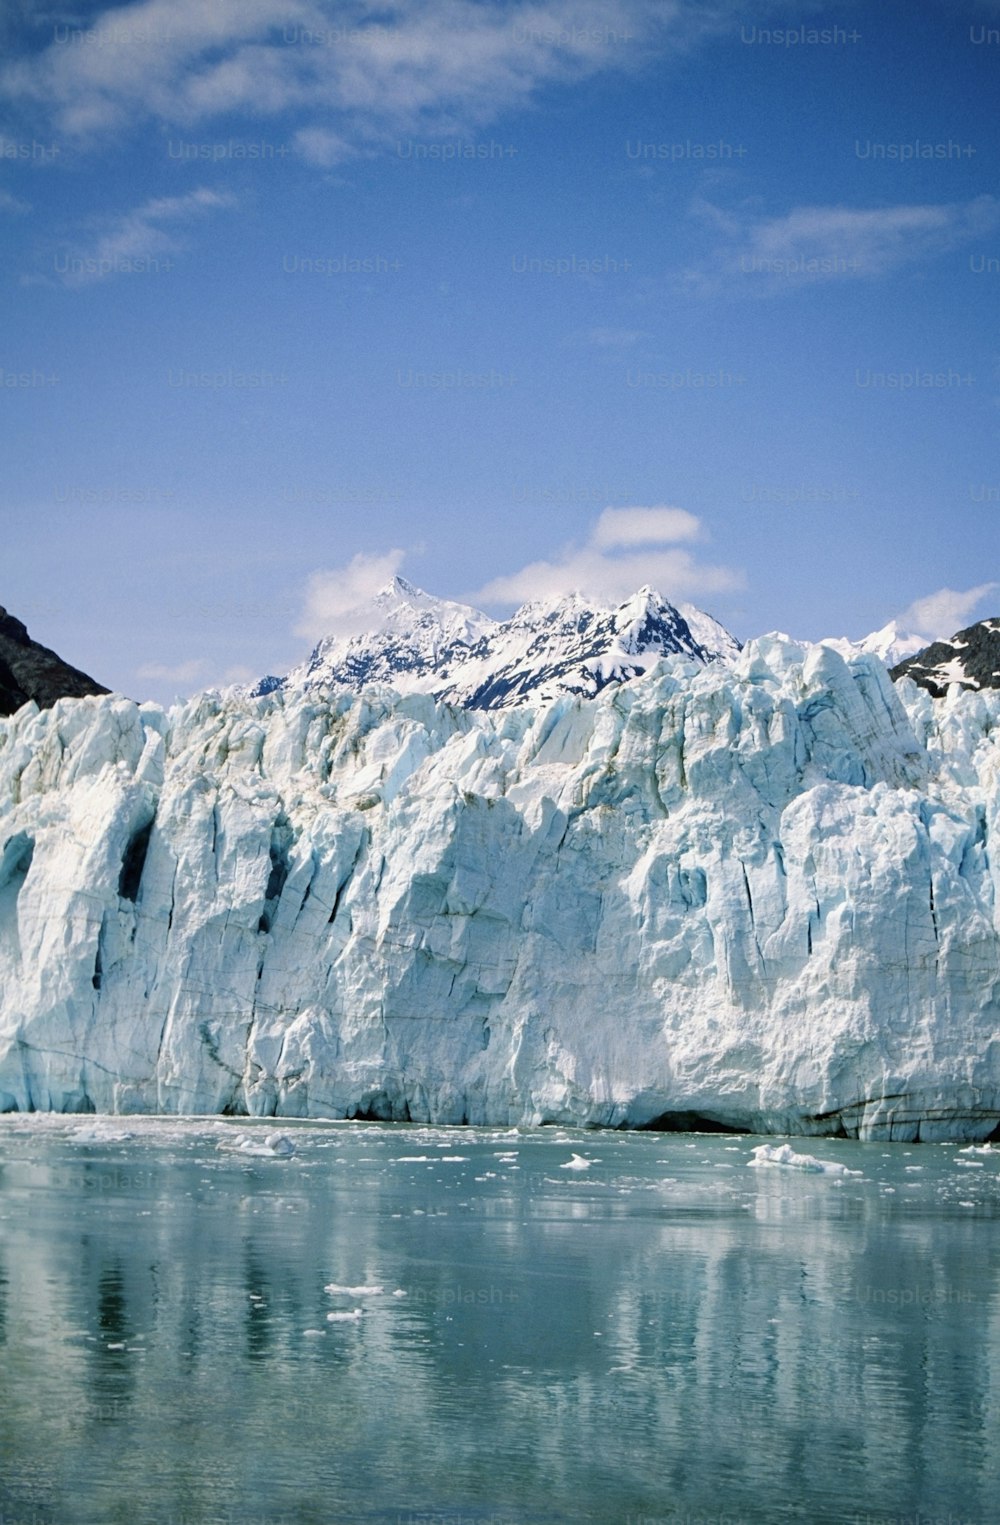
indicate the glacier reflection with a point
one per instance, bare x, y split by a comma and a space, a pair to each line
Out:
655, 1333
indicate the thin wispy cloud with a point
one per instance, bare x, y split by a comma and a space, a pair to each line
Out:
11, 205
334, 597
939, 615
133, 240
821, 244
322, 148
356, 72
627, 548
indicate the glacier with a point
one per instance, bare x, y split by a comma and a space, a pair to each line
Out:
759, 895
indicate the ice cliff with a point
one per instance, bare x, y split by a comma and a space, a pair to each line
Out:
763, 895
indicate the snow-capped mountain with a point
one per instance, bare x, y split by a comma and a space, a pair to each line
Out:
763, 894
970, 658
890, 644
421, 644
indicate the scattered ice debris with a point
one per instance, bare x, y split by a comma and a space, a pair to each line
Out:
784, 1154
971, 1164
336, 1290
981, 1149
95, 1134
345, 1318
576, 1162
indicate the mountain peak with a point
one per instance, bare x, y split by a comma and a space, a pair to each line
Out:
890, 644
399, 588
970, 658
568, 644
29, 670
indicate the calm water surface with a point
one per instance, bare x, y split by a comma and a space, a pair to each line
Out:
664, 1335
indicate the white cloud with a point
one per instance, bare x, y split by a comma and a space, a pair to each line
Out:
322, 148
595, 572
817, 244
440, 65
333, 598
136, 237
941, 614
644, 526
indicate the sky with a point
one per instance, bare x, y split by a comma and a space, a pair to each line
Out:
512, 297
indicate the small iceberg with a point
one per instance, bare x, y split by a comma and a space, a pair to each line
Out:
576, 1162
784, 1154
91, 1134
276, 1146
345, 1318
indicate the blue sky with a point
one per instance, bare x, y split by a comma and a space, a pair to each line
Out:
297, 295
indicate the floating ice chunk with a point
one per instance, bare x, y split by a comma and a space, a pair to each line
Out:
313, 1334
366, 1291
99, 1135
576, 1162
971, 1164
345, 1318
981, 1149
276, 1146
400, 1293
784, 1154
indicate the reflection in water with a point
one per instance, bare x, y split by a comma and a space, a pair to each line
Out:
258, 1303
667, 1333
112, 1377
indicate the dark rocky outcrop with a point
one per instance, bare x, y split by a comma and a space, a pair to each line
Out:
31, 671
972, 658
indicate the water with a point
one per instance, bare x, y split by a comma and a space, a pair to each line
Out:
665, 1335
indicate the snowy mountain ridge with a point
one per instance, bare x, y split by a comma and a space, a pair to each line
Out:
970, 658
571, 645
890, 644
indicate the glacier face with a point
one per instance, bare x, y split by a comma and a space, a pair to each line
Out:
763, 895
